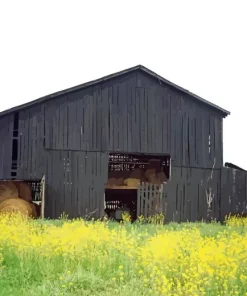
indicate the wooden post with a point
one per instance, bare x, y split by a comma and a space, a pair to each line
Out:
43, 197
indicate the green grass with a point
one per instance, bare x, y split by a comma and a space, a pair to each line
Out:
32, 276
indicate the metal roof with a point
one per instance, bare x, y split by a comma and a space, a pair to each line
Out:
111, 76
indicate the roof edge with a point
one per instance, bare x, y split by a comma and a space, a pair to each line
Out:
150, 72
233, 166
106, 78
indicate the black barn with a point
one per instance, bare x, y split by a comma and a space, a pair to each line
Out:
78, 137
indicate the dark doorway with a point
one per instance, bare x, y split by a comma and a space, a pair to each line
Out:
126, 172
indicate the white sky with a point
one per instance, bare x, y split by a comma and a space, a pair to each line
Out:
47, 46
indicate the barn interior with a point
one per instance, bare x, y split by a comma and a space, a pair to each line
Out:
125, 173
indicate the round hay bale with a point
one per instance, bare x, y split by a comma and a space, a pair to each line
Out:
8, 188
119, 182
3, 198
132, 182
150, 174
161, 177
111, 181
25, 191
115, 181
34, 212
16, 205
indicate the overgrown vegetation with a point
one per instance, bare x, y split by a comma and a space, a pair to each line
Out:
77, 257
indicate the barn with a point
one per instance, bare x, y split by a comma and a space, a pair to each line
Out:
131, 140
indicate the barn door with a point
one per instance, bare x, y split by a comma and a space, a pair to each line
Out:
149, 200
42, 192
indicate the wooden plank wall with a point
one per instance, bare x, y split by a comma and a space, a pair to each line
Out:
186, 195
75, 183
75, 179
31, 154
134, 113
189, 126
6, 136
234, 192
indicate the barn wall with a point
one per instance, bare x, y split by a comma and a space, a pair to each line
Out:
187, 192
98, 118
75, 183
191, 125
234, 192
118, 116
74, 179
133, 113
136, 114
6, 136
31, 154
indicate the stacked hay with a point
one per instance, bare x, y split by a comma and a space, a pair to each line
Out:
135, 178
34, 211
16, 205
132, 182
115, 181
12, 196
161, 177
150, 175
24, 191
7, 190
155, 178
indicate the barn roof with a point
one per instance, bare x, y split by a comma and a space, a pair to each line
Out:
111, 76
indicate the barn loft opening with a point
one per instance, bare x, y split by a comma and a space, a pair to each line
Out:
126, 172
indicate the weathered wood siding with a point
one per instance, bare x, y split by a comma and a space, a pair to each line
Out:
132, 113
75, 183
233, 192
31, 154
187, 195
136, 114
6, 137
189, 126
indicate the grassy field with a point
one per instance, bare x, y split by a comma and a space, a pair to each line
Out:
104, 258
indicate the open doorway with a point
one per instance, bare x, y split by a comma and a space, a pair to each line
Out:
125, 174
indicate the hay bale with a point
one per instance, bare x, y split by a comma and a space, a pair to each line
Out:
8, 189
155, 178
24, 191
3, 198
34, 211
16, 205
161, 177
111, 181
132, 182
150, 175
115, 181
119, 182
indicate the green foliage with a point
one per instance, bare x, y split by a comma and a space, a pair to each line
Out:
30, 274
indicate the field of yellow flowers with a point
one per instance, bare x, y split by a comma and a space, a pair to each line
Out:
66, 257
